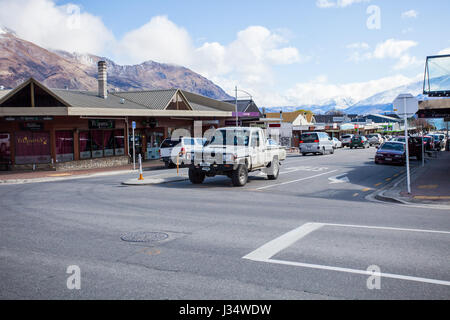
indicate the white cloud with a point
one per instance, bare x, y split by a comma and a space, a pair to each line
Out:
63, 27
389, 49
320, 90
337, 4
445, 51
160, 40
392, 48
410, 14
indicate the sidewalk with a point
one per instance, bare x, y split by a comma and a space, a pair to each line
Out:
429, 185
37, 176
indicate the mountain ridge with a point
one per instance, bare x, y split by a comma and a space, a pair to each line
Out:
21, 59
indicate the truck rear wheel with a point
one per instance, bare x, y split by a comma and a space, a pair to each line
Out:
196, 176
240, 176
275, 165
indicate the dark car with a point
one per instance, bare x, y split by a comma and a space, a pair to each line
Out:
391, 152
428, 142
359, 142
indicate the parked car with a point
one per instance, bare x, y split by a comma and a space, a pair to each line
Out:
428, 141
359, 142
234, 152
336, 143
439, 141
375, 139
182, 148
346, 139
391, 152
414, 145
316, 143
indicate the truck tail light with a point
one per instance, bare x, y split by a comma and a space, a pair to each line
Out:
183, 151
316, 141
301, 142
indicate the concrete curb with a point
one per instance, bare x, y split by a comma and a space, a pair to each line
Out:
381, 195
155, 180
71, 177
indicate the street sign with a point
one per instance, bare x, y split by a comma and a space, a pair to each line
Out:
133, 124
406, 102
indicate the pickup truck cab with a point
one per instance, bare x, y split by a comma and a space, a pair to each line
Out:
234, 152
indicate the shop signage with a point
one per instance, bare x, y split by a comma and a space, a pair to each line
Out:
102, 124
33, 126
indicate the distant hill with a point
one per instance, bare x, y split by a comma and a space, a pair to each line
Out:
20, 59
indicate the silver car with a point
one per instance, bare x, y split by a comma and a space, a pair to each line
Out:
316, 143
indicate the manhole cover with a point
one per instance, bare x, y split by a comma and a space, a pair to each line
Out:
144, 236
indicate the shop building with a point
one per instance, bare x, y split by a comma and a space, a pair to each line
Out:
44, 128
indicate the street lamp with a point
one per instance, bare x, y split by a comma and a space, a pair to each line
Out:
236, 106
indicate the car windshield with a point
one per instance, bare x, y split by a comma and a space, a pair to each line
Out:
393, 146
168, 143
230, 138
309, 137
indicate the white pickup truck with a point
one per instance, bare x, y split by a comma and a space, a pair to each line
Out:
234, 152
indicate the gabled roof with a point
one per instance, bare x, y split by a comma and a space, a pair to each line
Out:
152, 99
202, 103
291, 116
242, 105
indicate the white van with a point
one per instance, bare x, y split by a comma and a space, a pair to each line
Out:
182, 148
316, 143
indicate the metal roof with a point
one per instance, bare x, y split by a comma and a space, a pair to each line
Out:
154, 99
4, 93
242, 105
201, 102
85, 99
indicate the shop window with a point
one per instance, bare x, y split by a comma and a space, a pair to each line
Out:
64, 146
108, 142
32, 147
97, 143
85, 145
119, 141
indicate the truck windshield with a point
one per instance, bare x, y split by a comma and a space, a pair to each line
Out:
230, 138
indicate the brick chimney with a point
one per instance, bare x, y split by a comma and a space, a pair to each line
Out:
102, 80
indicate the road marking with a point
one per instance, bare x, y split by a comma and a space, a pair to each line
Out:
270, 249
396, 175
339, 179
366, 189
432, 197
293, 181
432, 186
378, 184
273, 247
355, 195
388, 179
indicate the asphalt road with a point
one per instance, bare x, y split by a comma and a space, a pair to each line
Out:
311, 234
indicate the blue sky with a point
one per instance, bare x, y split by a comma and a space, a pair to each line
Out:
284, 52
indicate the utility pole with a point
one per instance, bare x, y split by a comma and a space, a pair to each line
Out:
236, 107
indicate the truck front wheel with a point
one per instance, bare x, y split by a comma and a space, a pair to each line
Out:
240, 176
196, 176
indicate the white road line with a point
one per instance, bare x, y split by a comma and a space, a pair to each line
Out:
273, 247
265, 252
293, 181
384, 228
356, 271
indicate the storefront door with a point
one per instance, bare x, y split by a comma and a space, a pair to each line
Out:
5, 151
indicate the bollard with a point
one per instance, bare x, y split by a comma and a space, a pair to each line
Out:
141, 177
